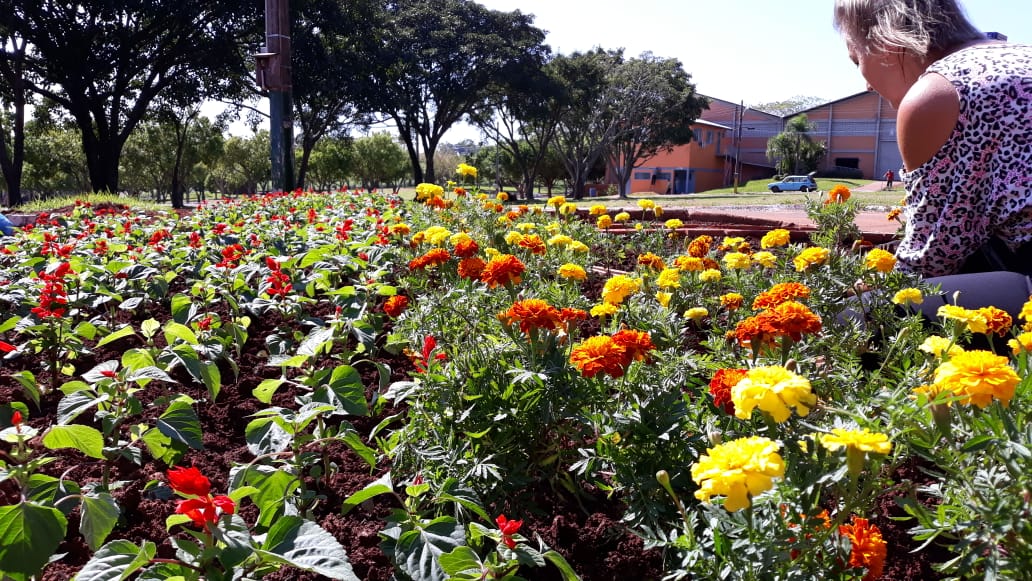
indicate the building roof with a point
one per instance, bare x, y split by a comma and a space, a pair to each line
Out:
710, 124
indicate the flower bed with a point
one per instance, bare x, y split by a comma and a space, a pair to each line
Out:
346, 386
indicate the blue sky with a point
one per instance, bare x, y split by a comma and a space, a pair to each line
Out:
755, 51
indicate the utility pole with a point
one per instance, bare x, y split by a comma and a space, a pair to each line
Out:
274, 75
737, 131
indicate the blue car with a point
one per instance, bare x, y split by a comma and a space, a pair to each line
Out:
794, 184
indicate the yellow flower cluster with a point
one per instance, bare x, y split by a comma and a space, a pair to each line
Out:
427, 191
619, 288
466, 170
773, 390
863, 440
738, 470
986, 320
908, 296
810, 257
669, 278
936, 346
976, 377
673, 223
775, 238
598, 210
737, 260
572, 271
880, 260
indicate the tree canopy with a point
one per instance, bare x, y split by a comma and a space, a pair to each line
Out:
794, 150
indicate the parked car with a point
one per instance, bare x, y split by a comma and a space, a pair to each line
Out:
794, 184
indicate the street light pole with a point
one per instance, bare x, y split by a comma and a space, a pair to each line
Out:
274, 75
739, 121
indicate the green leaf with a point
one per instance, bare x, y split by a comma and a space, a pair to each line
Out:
347, 387
380, 486
316, 255
74, 404
150, 327
265, 436
174, 330
205, 372
181, 424
357, 446
564, 567
143, 375
416, 551
87, 440
274, 487
137, 359
28, 382
99, 516
126, 331
305, 545
181, 308
315, 341
266, 389
117, 560
977, 444
160, 446
50, 491
462, 561
29, 535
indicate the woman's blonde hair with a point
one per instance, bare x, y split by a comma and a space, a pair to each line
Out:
923, 28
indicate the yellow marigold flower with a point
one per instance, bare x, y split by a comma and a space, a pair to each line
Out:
459, 238
775, 238
893, 214
908, 296
466, 170
646, 204
862, 440
673, 223
710, 275
597, 210
664, 299
765, 259
554, 227
810, 257
427, 191
604, 310
936, 346
557, 201
639, 226
482, 197
402, 229
774, 390
996, 320
604, 221
512, 238
739, 470
732, 243
578, 246
619, 287
732, 301
502, 196
526, 226
437, 235
651, 260
567, 208
669, 278
622, 217
560, 240
974, 320
839, 193
977, 377
737, 260
657, 211
1026, 311
689, 263
700, 246
880, 260
696, 313
1021, 343
572, 272
491, 252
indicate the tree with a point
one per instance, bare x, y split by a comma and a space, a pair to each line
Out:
794, 149
54, 162
587, 125
105, 62
439, 62
655, 104
332, 161
161, 154
333, 44
379, 160
790, 106
244, 164
13, 92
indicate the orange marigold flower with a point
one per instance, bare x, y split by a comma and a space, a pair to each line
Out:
996, 320
838, 194
533, 243
503, 269
395, 305
731, 301
652, 261
755, 332
466, 248
532, 314
779, 293
599, 354
868, 547
471, 268
720, 388
570, 314
689, 263
636, 344
700, 246
793, 319
436, 257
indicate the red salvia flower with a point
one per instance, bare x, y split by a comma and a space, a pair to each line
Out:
203, 508
7, 347
508, 528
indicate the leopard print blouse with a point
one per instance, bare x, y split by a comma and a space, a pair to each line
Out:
979, 184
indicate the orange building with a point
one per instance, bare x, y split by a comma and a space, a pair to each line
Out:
729, 139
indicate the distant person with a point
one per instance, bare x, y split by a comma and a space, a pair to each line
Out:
6, 227
964, 116
889, 176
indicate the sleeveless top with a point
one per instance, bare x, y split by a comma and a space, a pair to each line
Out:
979, 184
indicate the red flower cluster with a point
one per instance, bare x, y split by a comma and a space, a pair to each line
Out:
466, 248
343, 230
420, 360
395, 305
472, 267
508, 528
611, 355
53, 298
279, 281
7, 347
203, 508
231, 255
720, 388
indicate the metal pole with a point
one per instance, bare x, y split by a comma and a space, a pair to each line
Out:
278, 82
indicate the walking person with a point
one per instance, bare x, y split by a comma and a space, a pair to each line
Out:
889, 176
964, 114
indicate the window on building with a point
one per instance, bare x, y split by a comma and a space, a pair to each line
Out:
853, 162
697, 136
663, 176
709, 137
642, 175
